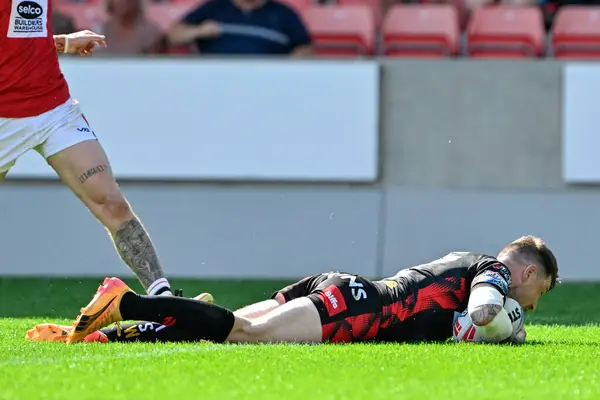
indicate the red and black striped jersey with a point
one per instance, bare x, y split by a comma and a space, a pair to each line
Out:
419, 302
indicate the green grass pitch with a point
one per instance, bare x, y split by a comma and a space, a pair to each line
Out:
561, 359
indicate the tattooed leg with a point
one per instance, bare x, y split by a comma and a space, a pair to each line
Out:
135, 248
92, 171
85, 168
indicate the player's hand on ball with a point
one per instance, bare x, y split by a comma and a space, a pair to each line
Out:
466, 331
83, 42
519, 337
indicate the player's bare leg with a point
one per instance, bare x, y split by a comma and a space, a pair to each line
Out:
261, 308
85, 168
296, 321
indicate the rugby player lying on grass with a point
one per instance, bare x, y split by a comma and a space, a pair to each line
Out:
416, 304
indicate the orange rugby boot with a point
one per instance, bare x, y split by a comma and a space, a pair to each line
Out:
59, 333
48, 333
102, 311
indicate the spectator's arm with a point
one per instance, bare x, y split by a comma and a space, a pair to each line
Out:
182, 33
300, 40
195, 25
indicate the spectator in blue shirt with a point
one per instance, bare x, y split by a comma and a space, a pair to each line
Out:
243, 27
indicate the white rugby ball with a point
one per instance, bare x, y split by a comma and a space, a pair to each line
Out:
465, 331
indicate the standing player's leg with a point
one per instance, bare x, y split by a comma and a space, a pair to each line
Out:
71, 148
85, 168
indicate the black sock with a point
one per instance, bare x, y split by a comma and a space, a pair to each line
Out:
203, 320
144, 331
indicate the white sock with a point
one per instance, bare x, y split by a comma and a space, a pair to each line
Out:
159, 287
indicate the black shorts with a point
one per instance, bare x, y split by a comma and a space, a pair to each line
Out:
350, 306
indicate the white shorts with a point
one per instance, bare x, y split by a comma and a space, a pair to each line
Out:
48, 133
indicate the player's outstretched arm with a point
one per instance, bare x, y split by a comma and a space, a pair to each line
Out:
488, 314
82, 42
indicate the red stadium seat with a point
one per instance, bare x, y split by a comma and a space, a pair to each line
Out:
576, 33
421, 30
375, 6
85, 16
165, 14
341, 31
506, 32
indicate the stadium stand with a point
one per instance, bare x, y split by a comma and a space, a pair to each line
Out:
375, 6
506, 32
421, 30
85, 15
165, 14
345, 31
428, 28
576, 33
